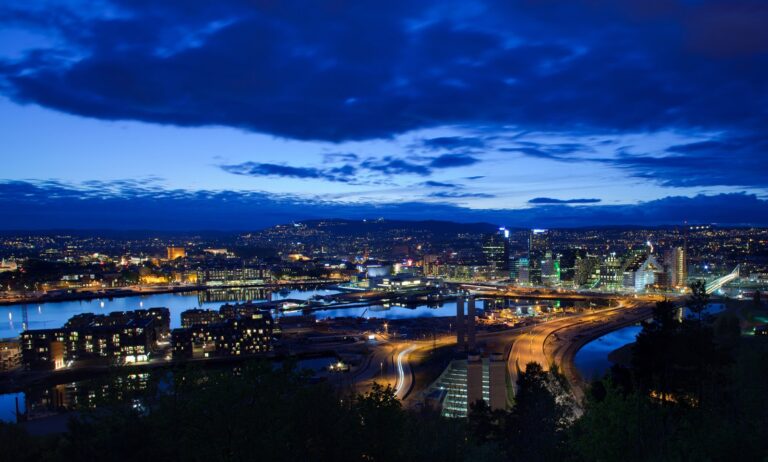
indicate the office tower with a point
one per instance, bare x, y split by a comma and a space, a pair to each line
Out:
610, 273
474, 379
538, 244
176, 252
550, 270
460, 323
471, 344
587, 271
677, 267
498, 381
523, 271
496, 251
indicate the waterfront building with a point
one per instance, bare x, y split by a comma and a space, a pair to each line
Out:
234, 336
10, 355
218, 276
195, 316
116, 338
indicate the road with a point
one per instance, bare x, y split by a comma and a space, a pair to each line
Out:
557, 341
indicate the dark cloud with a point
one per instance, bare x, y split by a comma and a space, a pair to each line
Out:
340, 157
393, 166
341, 174
549, 201
726, 161
460, 195
439, 184
453, 142
453, 160
387, 68
38, 205
564, 152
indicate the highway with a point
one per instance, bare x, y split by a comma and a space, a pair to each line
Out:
557, 341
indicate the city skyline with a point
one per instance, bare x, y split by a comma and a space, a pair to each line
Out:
237, 116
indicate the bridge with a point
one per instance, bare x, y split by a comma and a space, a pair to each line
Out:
718, 283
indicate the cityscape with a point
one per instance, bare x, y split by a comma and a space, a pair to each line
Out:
367, 231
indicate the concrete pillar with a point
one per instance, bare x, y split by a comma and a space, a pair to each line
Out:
460, 324
474, 379
471, 343
498, 381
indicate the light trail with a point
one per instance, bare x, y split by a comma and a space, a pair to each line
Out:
401, 370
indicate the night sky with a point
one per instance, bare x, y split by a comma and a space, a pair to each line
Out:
234, 115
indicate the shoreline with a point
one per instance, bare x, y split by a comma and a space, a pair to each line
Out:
135, 292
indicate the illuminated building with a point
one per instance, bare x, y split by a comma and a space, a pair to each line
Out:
10, 355
213, 277
496, 252
460, 328
587, 271
611, 275
642, 272
550, 270
176, 252
234, 336
199, 316
430, 265
538, 244
677, 267
464, 382
116, 338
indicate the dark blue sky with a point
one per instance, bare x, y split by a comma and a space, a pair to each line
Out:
240, 114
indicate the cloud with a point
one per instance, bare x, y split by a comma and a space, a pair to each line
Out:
439, 184
460, 195
343, 174
389, 165
453, 160
47, 204
738, 160
340, 157
453, 142
549, 201
386, 69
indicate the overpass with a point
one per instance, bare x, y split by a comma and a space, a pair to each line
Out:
713, 286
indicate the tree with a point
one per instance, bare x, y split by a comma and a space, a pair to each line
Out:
699, 299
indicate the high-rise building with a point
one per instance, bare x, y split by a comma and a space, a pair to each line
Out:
176, 252
538, 244
496, 251
587, 271
471, 340
611, 276
460, 345
497, 381
677, 267
550, 270
430, 265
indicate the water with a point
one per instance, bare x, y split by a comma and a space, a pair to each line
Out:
8, 406
592, 359
55, 314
